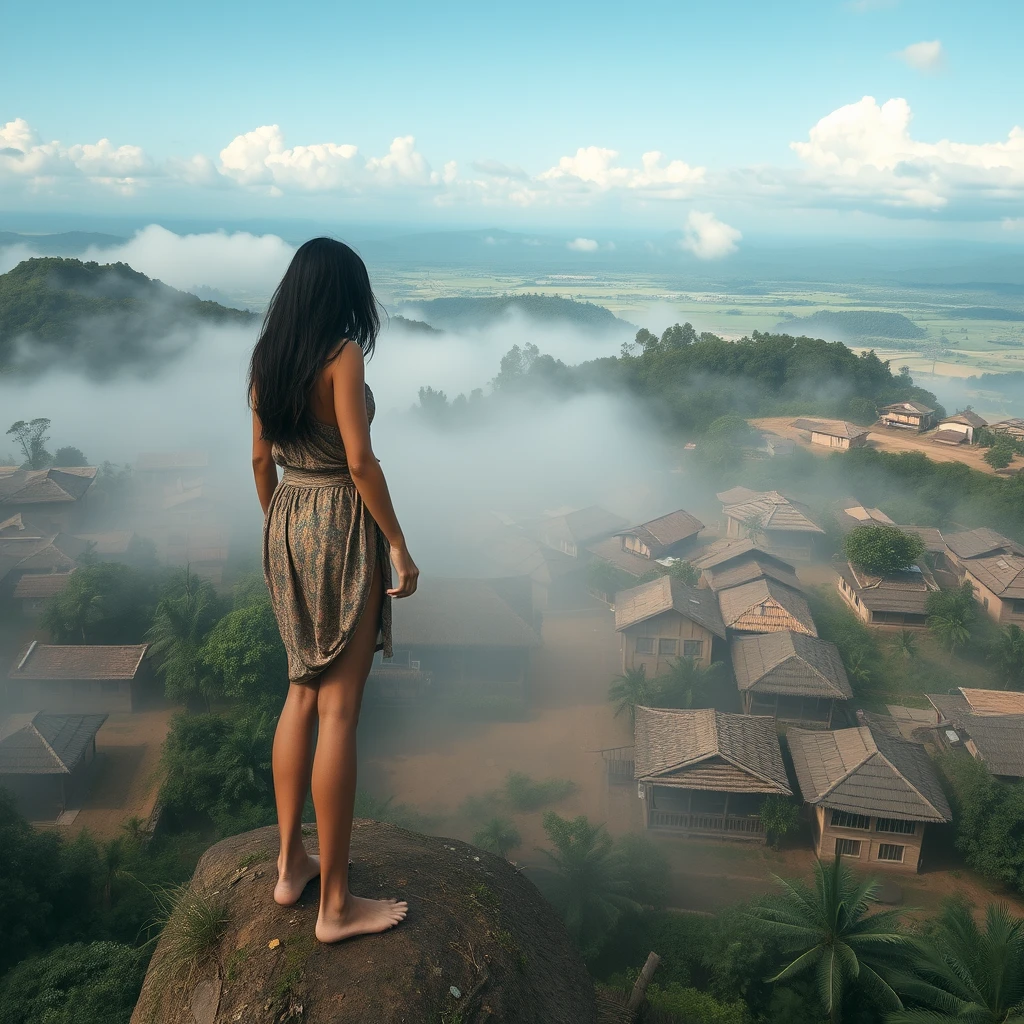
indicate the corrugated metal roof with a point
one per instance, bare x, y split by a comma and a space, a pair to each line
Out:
667, 594
864, 771
709, 749
792, 663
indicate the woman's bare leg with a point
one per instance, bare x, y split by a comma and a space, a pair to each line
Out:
293, 749
343, 915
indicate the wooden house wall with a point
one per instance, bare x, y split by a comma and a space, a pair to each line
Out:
1001, 610
870, 840
670, 625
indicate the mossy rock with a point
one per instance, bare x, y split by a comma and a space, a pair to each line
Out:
476, 927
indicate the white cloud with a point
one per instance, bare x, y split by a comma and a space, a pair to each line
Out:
864, 150
1013, 224
707, 237
927, 56
582, 245
237, 263
595, 168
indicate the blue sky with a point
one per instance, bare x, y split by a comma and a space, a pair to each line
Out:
499, 101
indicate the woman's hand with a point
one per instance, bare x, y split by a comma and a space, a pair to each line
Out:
408, 574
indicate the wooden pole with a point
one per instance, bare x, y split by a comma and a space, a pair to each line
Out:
636, 997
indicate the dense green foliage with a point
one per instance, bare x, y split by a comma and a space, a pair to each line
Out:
854, 324
473, 312
882, 549
686, 684
101, 316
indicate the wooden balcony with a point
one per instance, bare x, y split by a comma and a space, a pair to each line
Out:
729, 826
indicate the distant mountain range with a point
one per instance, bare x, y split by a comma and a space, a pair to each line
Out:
63, 243
852, 325
479, 311
103, 317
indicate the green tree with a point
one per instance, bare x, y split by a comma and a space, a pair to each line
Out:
31, 438
244, 650
862, 410
780, 816
81, 983
607, 580
103, 603
629, 691
687, 684
685, 572
1000, 455
951, 615
183, 618
833, 931
882, 549
904, 644
498, 835
244, 760
69, 457
645, 868
587, 886
1007, 653
971, 975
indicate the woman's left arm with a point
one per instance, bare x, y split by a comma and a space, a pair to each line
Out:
263, 468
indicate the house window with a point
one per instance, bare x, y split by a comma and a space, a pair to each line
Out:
890, 851
693, 648
848, 847
844, 819
644, 645
1018, 607
668, 646
905, 828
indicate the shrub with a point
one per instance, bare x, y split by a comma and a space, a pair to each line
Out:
526, 794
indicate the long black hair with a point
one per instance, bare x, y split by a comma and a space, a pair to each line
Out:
323, 299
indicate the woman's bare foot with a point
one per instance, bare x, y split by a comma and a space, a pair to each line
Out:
360, 917
292, 879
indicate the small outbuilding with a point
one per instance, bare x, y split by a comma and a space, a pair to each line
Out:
873, 794
988, 724
907, 416
45, 760
965, 424
837, 434
705, 772
789, 676
896, 599
637, 548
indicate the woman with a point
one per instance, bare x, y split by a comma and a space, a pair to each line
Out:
329, 536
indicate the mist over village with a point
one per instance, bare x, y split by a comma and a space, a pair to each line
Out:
670, 561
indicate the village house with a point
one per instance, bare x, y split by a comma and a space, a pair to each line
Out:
31, 555
724, 556
77, 678
994, 566
706, 773
34, 591
45, 760
988, 724
897, 599
636, 549
116, 546
765, 606
792, 677
51, 498
837, 434
755, 565
571, 532
907, 416
776, 524
663, 620
959, 428
462, 637
850, 513
1013, 428
872, 794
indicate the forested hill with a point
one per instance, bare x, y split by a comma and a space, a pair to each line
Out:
852, 325
476, 312
97, 315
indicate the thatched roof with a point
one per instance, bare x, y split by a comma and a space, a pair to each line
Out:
79, 661
45, 744
459, 613
981, 542
36, 586
748, 568
993, 720
905, 591
1002, 574
708, 749
45, 486
789, 663
667, 594
772, 511
765, 606
662, 533
864, 771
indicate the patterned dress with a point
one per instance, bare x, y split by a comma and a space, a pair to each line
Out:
321, 548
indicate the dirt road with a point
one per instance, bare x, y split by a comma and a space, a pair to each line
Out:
893, 441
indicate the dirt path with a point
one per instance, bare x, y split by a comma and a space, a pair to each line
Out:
894, 441
127, 773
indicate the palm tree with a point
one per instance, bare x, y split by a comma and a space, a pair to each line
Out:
499, 835
588, 886
183, 618
836, 934
970, 975
904, 644
687, 684
857, 668
629, 691
244, 759
952, 628
1007, 651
